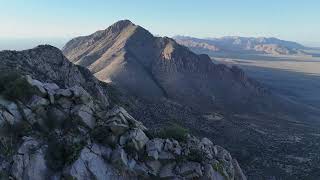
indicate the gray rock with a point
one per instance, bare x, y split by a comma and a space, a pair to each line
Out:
172, 146
30, 163
190, 169
117, 125
84, 114
211, 174
154, 166
135, 138
167, 171
51, 87
37, 84
91, 166
37, 101
164, 155
63, 92
82, 94
119, 158
7, 118
12, 109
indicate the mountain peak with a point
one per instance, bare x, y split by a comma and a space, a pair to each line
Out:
122, 24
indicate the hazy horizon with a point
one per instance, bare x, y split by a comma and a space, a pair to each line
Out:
55, 20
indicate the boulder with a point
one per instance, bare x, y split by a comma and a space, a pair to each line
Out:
37, 101
29, 162
210, 174
117, 125
135, 138
167, 171
172, 146
11, 108
63, 92
154, 166
189, 169
119, 158
91, 166
84, 114
37, 85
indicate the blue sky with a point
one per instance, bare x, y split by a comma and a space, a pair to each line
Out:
295, 20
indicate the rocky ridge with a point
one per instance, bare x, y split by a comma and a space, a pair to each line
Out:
53, 132
243, 45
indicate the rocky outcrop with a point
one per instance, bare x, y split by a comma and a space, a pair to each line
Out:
64, 133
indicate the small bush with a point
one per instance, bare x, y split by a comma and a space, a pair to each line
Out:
174, 131
61, 153
14, 86
196, 155
7, 77
219, 168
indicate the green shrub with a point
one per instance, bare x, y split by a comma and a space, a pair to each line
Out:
196, 155
174, 131
219, 168
7, 77
61, 153
14, 86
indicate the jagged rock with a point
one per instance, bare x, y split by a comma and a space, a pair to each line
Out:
37, 101
12, 109
135, 138
154, 147
65, 103
154, 166
119, 158
50, 87
63, 92
82, 94
6, 117
172, 146
84, 114
167, 171
211, 174
85, 159
125, 117
118, 125
164, 155
30, 163
223, 154
37, 84
91, 166
189, 169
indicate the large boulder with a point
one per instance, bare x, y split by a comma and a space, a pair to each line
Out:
135, 138
91, 166
29, 162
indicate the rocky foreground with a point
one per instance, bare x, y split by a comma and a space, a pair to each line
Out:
52, 132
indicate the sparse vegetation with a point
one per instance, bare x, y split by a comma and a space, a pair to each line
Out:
219, 168
173, 130
14, 86
61, 152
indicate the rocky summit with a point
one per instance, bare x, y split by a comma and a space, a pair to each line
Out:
56, 122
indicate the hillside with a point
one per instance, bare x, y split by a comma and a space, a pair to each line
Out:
163, 82
236, 44
56, 122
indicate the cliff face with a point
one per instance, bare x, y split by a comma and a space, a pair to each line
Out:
56, 123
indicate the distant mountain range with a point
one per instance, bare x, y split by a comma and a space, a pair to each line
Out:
236, 44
